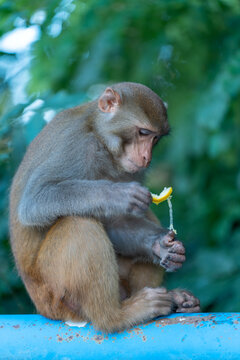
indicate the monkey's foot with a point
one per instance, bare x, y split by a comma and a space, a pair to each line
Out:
170, 251
184, 301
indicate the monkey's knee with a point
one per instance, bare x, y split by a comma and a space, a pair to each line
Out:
71, 237
72, 247
78, 265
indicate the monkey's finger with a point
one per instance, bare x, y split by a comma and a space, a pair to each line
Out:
165, 297
163, 300
168, 239
189, 297
191, 303
176, 258
177, 296
170, 266
158, 296
156, 293
177, 247
161, 304
136, 211
139, 206
143, 197
188, 304
140, 190
144, 190
197, 309
196, 302
188, 310
171, 234
142, 202
161, 292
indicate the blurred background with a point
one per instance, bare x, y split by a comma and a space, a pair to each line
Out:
57, 54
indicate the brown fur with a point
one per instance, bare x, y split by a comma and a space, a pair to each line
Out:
59, 266
68, 264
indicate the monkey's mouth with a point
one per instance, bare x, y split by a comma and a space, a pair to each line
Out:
135, 167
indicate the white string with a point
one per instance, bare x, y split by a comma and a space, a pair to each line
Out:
171, 215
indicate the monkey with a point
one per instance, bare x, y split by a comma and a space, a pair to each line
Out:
85, 242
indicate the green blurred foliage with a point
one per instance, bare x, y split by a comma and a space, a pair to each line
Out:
188, 51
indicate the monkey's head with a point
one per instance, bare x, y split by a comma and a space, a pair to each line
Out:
132, 119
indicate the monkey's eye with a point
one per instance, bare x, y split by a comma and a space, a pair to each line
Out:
144, 132
156, 140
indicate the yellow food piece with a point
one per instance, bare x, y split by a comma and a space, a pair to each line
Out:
164, 195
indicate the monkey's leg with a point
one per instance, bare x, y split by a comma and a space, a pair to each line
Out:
78, 266
138, 275
144, 274
184, 301
141, 275
135, 276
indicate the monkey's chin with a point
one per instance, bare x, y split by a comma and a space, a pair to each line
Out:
130, 167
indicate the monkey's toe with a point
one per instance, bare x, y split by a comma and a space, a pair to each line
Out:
185, 301
195, 309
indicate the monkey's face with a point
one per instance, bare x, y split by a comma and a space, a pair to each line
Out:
131, 124
137, 153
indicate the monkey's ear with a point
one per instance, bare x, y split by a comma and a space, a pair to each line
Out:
109, 100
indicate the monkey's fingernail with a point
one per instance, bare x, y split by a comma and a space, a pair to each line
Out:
187, 304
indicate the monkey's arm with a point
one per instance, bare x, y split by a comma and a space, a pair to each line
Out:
144, 238
47, 197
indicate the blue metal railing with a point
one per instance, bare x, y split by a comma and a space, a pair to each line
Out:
192, 336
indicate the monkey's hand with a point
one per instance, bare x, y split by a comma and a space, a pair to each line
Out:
130, 198
184, 301
170, 251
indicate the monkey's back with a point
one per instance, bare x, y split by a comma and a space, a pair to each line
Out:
26, 240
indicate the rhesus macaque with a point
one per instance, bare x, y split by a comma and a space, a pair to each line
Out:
85, 242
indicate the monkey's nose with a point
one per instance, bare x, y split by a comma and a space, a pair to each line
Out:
146, 161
